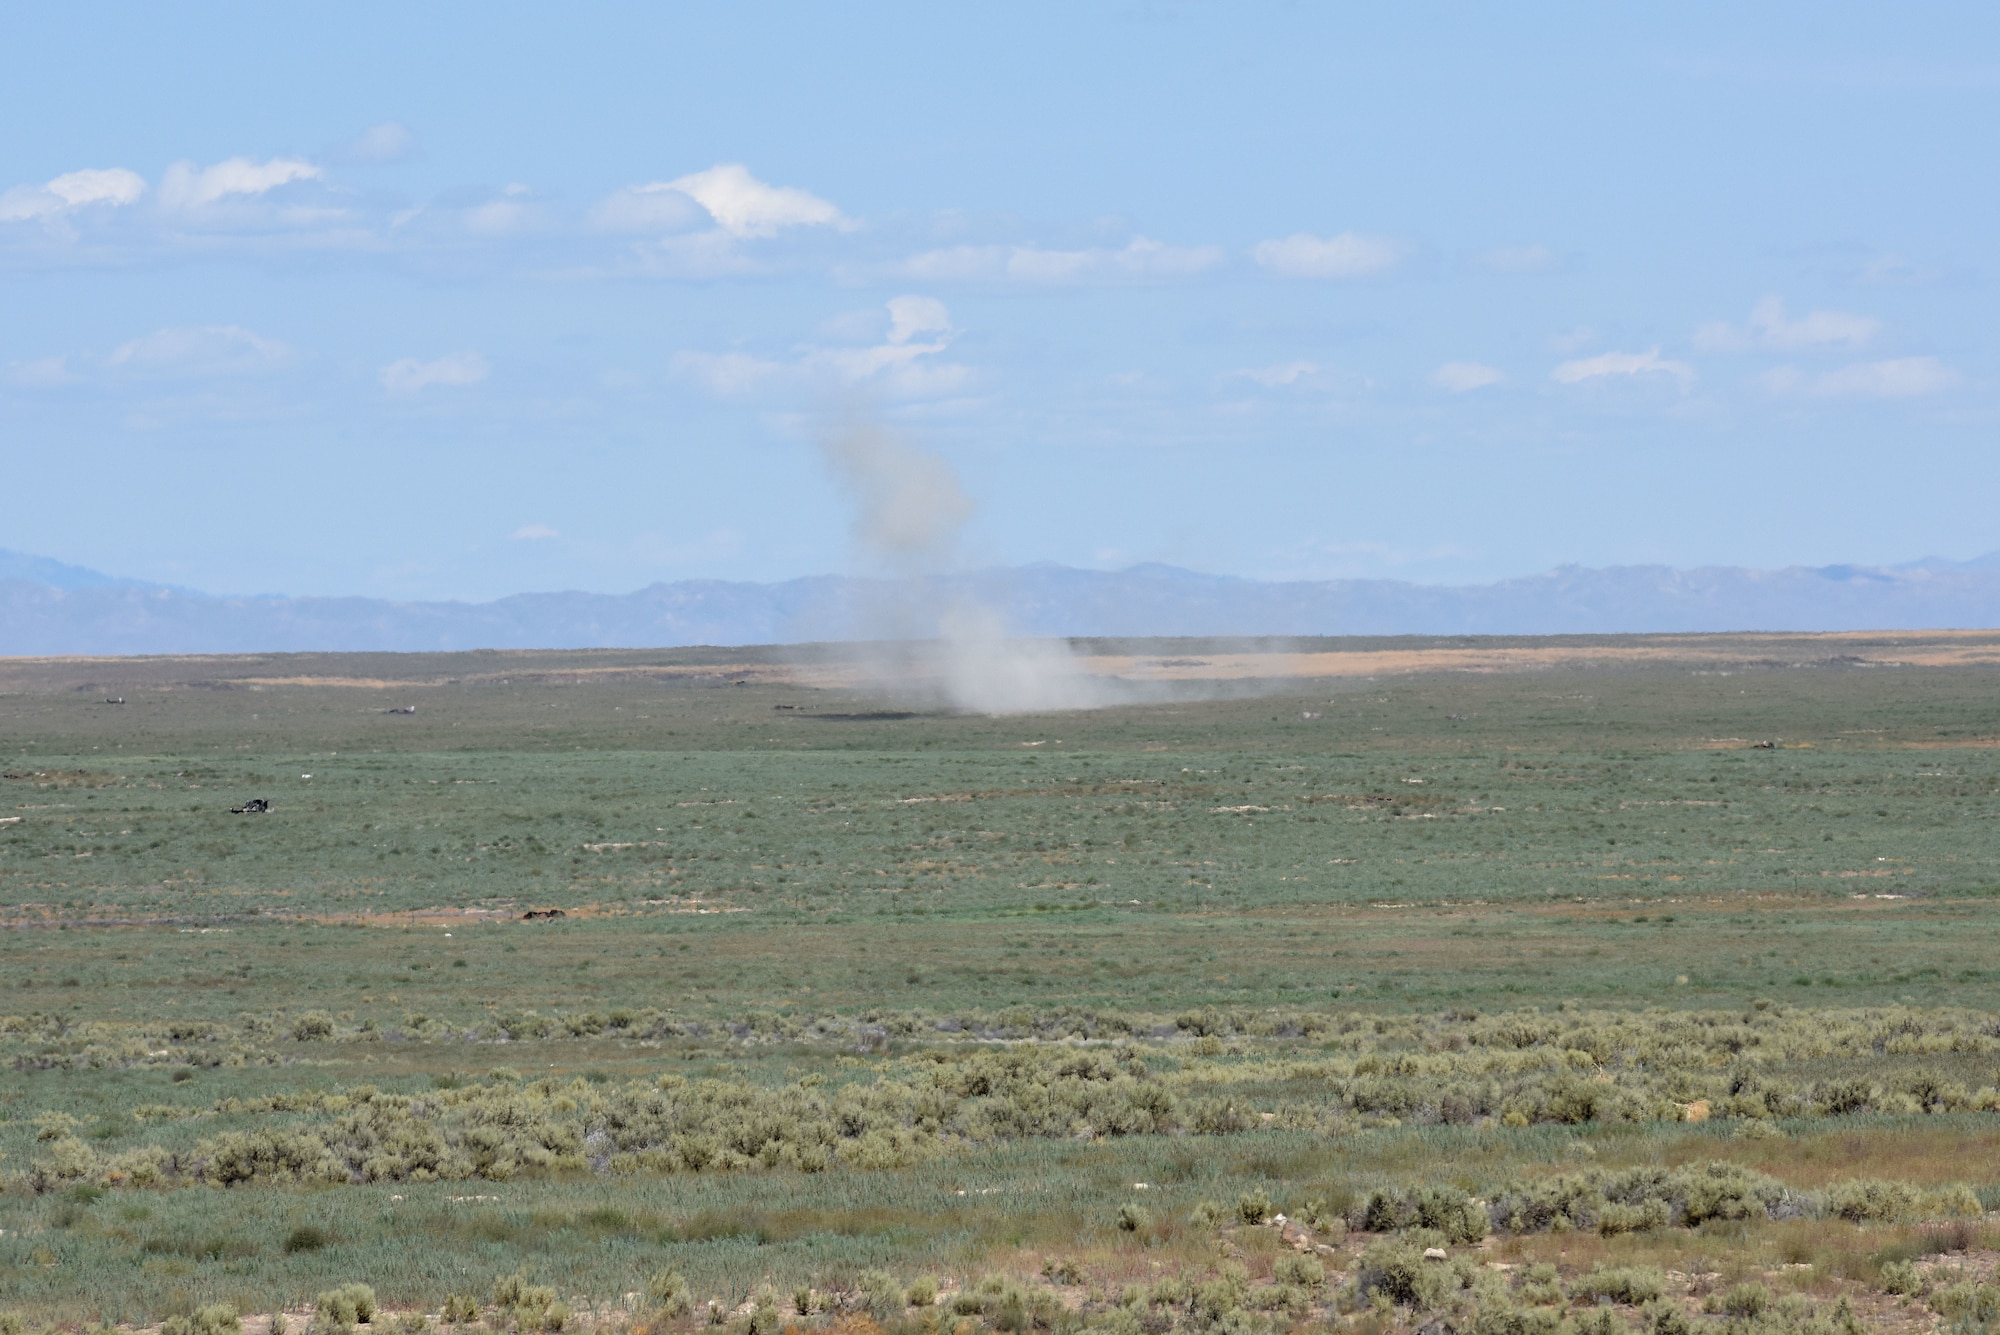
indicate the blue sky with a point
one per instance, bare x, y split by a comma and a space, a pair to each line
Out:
462, 300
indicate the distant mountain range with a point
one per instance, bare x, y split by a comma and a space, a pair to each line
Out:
48, 608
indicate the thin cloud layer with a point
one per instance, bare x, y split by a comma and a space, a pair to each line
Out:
200, 351
1770, 327
1515, 259
455, 370
1896, 378
186, 186
1464, 377
1623, 364
905, 364
1348, 255
113, 186
391, 141
1140, 259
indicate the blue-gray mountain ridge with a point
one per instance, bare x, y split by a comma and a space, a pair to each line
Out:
48, 608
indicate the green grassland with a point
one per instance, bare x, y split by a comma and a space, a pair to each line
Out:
827, 960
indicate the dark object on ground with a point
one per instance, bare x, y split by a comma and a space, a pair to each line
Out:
256, 806
543, 915
406, 709
1763, 746
114, 700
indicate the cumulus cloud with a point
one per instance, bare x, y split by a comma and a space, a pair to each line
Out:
1647, 363
1138, 259
453, 370
1348, 255
114, 186
533, 533
1464, 377
744, 206
1770, 327
200, 351
1897, 378
185, 186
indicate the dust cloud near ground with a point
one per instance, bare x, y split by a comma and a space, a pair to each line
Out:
920, 638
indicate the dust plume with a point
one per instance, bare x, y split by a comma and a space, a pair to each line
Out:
929, 637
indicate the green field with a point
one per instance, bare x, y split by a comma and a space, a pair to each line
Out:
1383, 950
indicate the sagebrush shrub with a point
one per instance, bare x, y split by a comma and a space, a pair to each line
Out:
1746, 1300
670, 1295
882, 1293
312, 1026
337, 1311
1300, 1269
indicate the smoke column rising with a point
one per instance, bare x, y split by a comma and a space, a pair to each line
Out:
909, 512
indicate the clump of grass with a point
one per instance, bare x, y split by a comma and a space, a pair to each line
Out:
1622, 1284
215, 1319
306, 1238
1739, 1300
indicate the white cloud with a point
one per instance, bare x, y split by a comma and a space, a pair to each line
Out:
1463, 377
42, 373
712, 253
187, 187
744, 206
1348, 255
657, 207
518, 209
1622, 364
533, 533
201, 350
895, 368
1516, 259
390, 141
1770, 327
897, 365
72, 190
454, 370
910, 316
1140, 258
1898, 378
902, 365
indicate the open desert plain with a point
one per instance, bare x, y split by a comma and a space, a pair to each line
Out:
1587, 984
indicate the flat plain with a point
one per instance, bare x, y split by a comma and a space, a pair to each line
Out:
1669, 958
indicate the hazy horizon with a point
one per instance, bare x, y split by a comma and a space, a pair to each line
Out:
1445, 296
